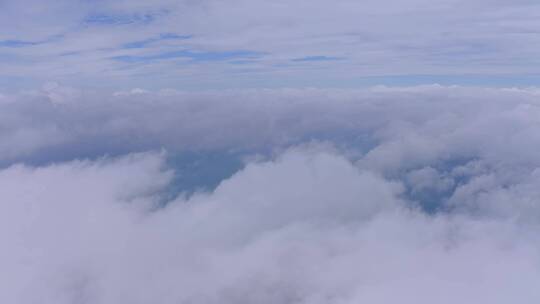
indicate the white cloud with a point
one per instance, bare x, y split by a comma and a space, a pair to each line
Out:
415, 195
307, 227
426, 194
414, 37
397, 128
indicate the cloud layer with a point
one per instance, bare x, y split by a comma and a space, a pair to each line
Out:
408, 195
423, 124
209, 44
307, 227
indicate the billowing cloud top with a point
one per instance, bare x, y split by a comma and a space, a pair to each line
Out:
385, 195
256, 43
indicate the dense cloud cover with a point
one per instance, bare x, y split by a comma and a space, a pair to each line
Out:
406, 195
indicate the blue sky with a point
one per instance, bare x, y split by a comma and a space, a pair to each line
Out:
245, 44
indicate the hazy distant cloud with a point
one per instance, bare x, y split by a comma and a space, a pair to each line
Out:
395, 128
316, 58
372, 39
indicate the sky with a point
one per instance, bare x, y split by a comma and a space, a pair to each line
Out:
294, 152
209, 44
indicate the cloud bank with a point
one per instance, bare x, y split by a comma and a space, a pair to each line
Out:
407, 195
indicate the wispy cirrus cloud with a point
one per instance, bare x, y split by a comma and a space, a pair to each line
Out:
16, 43
316, 58
195, 56
372, 39
160, 38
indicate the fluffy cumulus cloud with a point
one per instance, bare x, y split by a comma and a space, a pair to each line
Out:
405, 195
